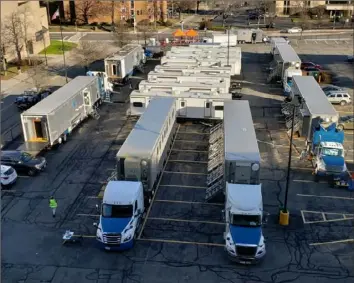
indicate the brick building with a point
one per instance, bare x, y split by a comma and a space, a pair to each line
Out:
104, 11
29, 21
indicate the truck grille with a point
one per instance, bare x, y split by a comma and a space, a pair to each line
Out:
246, 251
111, 238
334, 169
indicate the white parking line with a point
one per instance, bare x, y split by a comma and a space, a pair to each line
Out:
333, 242
187, 187
185, 173
188, 202
333, 197
341, 216
185, 220
188, 150
23, 176
178, 140
309, 181
88, 215
188, 161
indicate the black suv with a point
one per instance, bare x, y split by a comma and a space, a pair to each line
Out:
23, 162
30, 98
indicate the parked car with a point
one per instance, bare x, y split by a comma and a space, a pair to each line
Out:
329, 88
350, 58
310, 65
23, 162
8, 175
294, 30
339, 97
311, 69
346, 123
30, 98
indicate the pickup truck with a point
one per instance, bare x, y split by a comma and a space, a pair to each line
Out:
30, 98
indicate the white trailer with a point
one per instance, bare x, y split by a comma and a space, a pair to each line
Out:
181, 77
242, 157
216, 70
191, 105
223, 39
206, 52
249, 35
274, 41
235, 63
145, 150
186, 86
51, 120
122, 64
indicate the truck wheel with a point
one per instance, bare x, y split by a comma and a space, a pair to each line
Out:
60, 140
65, 137
343, 102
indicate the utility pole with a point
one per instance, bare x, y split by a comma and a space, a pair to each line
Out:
228, 46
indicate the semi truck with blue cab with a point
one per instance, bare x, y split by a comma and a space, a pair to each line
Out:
140, 161
243, 214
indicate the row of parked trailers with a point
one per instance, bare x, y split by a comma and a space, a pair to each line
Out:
199, 77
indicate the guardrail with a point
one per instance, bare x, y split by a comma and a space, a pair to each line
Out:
11, 134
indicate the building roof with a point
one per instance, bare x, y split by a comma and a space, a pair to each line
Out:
124, 191
316, 101
239, 134
287, 53
57, 98
144, 136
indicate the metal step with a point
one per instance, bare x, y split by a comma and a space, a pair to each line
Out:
215, 128
217, 135
214, 190
215, 162
215, 175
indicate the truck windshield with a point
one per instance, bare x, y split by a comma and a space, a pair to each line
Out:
332, 151
246, 220
117, 211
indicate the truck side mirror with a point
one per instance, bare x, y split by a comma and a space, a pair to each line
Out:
265, 217
97, 208
95, 224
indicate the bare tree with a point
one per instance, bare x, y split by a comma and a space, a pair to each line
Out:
87, 52
13, 35
182, 5
39, 76
27, 24
120, 33
302, 10
145, 28
87, 9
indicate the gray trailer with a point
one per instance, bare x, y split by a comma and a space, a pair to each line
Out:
249, 35
242, 157
50, 121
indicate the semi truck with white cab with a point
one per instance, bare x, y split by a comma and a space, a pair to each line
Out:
286, 65
50, 121
243, 214
318, 124
121, 65
140, 162
105, 87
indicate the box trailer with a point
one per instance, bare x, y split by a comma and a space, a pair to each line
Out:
185, 86
190, 105
190, 69
242, 157
222, 39
212, 51
249, 35
182, 77
122, 64
50, 121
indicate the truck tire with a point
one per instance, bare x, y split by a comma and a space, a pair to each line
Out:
60, 140
316, 177
342, 103
65, 137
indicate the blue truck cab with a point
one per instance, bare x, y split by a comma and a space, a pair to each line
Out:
328, 152
244, 241
121, 215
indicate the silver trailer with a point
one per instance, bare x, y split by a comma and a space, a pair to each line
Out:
316, 109
53, 119
242, 157
285, 57
157, 85
181, 77
249, 35
144, 152
122, 64
274, 41
192, 50
216, 70
207, 105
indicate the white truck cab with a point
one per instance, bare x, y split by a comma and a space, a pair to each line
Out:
121, 214
244, 241
287, 79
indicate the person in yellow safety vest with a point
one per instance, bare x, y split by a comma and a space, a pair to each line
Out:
53, 205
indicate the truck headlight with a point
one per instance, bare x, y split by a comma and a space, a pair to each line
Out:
127, 234
38, 166
230, 246
99, 234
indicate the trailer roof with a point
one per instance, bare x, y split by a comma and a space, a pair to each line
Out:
161, 74
200, 85
287, 53
240, 136
168, 67
142, 139
183, 94
60, 96
124, 51
315, 99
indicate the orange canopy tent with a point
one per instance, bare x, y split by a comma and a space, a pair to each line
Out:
191, 33
179, 33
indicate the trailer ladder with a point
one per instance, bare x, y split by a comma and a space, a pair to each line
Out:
215, 178
95, 113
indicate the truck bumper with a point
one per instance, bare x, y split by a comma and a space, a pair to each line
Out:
245, 260
121, 247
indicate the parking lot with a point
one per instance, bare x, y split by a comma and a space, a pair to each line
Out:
182, 238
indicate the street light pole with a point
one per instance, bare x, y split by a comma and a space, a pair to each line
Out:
228, 46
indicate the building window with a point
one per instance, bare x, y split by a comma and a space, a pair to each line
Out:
219, 108
137, 12
141, 12
137, 104
122, 18
132, 13
132, 4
